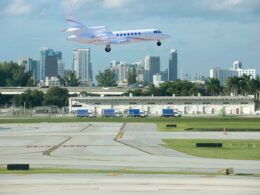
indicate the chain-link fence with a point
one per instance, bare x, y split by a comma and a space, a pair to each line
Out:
43, 111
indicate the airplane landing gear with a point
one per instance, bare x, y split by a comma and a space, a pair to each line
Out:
108, 48
159, 43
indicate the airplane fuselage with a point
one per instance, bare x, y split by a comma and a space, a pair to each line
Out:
101, 36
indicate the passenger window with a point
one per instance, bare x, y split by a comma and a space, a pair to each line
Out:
132, 33
124, 34
128, 34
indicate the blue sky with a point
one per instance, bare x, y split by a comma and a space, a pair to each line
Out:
206, 33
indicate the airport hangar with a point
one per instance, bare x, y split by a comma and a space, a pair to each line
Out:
188, 105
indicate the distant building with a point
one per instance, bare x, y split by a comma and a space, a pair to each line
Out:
151, 67
31, 65
140, 72
52, 82
82, 65
49, 62
248, 72
164, 75
173, 65
157, 80
237, 65
61, 67
223, 74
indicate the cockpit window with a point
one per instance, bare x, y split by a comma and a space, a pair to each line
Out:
157, 31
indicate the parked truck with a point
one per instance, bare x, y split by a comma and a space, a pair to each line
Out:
171, 113
137, 113
84, 113
111, 113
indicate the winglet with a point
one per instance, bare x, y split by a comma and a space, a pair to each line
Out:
74, 23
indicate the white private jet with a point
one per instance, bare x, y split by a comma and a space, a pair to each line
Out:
99, 35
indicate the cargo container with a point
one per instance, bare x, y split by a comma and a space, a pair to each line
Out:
134, 112
108, 112
84, 113
171, 113
168, 112
137, 113
111, 113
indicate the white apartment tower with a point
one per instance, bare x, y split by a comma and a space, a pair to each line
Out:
82, 65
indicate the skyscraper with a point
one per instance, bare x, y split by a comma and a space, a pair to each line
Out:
31, 65
151, 67
49, 62
173, 65
61, 68
82, 65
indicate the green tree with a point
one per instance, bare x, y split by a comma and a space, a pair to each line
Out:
11, 74
131, 76
213, 86
106, 78
56, 96
245, 84
31, 98
70, 79
233, 85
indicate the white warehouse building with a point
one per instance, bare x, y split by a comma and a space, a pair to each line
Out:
188, 105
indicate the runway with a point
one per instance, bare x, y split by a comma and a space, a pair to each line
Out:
127, 184
93, 146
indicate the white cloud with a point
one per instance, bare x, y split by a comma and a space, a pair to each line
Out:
18, 7
115, 3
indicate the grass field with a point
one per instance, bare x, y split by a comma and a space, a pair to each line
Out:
232, 149
182, 123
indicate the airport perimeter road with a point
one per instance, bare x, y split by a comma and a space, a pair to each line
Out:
127, 185
93, 146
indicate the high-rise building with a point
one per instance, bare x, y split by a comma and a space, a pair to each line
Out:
61, 68
164, 75
222, 74
140, 71
151, 67
173, 65
31, 65
49, 62
237, 65
82, 65
157, 80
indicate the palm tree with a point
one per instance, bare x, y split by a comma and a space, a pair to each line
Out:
245, 84
233, 85
106, 78
213, 87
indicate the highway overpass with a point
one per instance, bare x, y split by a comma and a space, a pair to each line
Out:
72, 90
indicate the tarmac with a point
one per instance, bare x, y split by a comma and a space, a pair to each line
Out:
131, 146
79, 184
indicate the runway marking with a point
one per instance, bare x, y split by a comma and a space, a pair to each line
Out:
48, 152
120, 132
85, 128
120, 135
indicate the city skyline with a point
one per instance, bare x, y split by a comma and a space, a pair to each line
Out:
205, 33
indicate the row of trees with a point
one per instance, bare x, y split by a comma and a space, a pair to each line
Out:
107, 78
11, 74
32, 98
235, 85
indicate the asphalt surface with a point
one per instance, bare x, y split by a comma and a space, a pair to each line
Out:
127, 184
93, 146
